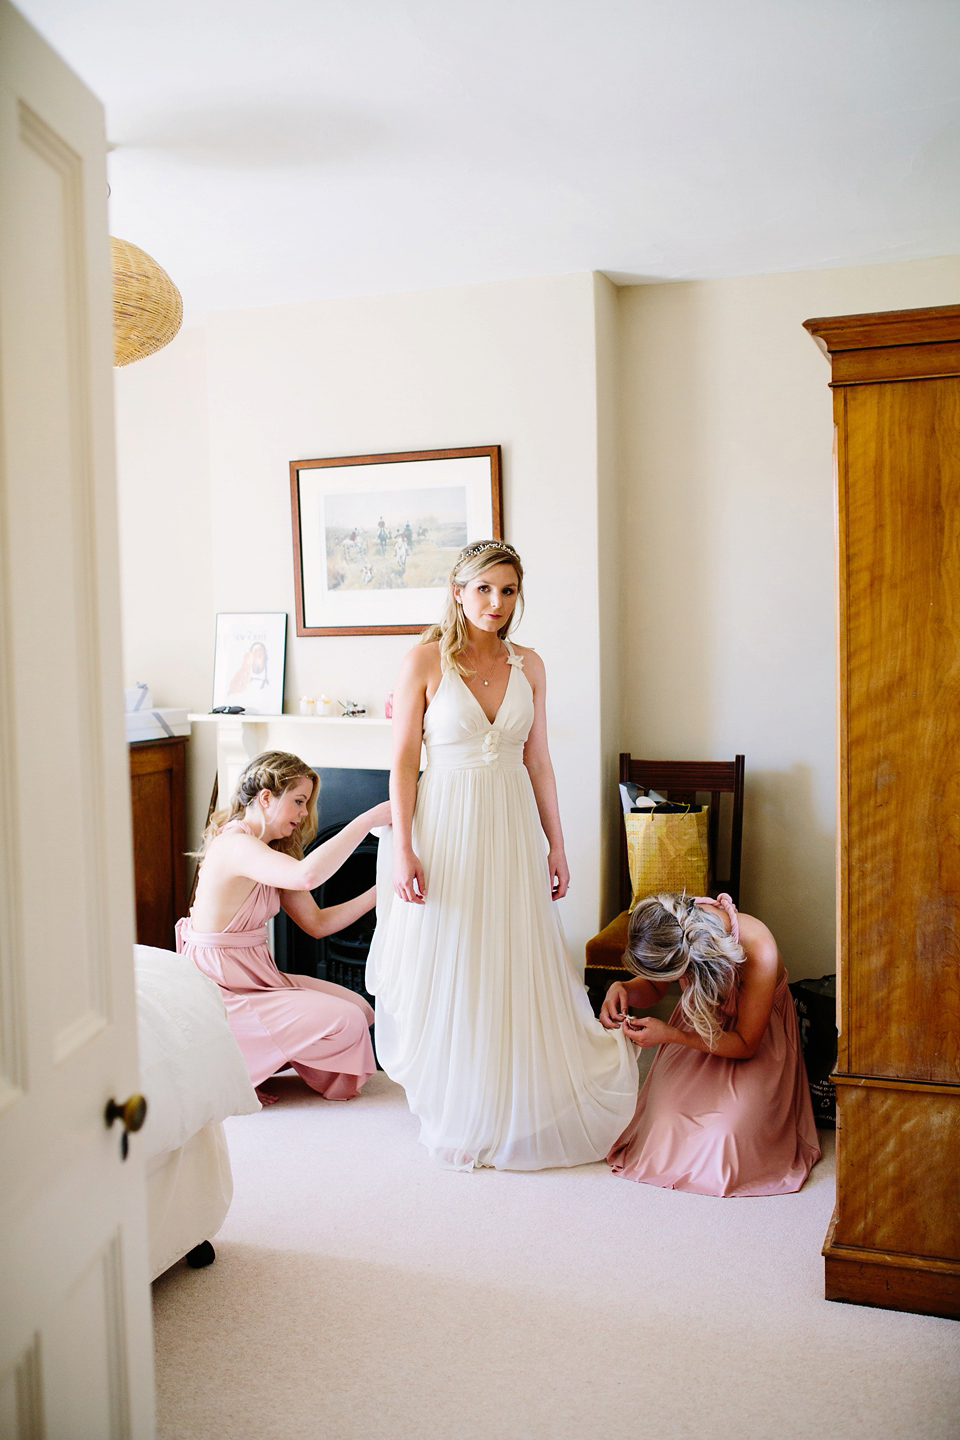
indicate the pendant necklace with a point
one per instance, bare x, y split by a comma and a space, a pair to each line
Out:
489, 672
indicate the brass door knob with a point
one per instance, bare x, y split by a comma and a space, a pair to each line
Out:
132, 1112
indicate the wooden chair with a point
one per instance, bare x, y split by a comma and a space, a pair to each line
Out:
682, 781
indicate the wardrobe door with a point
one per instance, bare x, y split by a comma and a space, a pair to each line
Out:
895, 1237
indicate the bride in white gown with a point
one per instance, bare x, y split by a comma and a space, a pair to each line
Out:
480, 1012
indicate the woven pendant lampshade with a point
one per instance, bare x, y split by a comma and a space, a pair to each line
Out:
147, 308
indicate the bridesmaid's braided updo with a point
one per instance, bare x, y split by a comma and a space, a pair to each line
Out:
669, 937
275, 771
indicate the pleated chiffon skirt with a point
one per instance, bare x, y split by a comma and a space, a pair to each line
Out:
481, 1014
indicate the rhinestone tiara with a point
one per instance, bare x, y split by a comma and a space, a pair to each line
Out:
486, 545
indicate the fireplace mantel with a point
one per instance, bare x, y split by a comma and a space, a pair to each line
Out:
339, 741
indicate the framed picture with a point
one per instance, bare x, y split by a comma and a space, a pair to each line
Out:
375, 536
248, 662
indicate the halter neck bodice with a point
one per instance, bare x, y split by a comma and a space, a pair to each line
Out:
457, 733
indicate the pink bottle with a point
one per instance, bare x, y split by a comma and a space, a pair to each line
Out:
388, 706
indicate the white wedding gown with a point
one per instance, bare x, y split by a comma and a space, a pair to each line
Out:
481, 1013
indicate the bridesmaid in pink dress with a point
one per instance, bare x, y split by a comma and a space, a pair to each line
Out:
725, 1109
252, 864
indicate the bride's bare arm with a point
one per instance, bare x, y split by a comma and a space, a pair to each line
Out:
409, 707
536, 757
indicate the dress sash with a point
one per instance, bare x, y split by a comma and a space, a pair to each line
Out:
225, 939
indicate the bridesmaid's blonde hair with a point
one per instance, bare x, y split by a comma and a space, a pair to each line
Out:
669, 936
276, 771
452, 633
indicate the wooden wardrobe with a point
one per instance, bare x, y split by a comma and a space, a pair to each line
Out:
894, 1240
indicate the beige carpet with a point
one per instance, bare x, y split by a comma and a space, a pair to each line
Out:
360, 1293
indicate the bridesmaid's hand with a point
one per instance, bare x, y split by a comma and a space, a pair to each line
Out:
615, 1007
559, 874
408, 878
379, 815
648, 1031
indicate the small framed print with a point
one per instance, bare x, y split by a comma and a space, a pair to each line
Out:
375, 536
248, 662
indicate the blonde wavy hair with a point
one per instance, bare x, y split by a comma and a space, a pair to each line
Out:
451, 633
276, 771
668, 937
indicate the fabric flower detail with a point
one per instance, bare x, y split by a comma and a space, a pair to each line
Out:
490, 747
515, 659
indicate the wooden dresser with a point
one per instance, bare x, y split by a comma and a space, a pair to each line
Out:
159, 800
895, 1236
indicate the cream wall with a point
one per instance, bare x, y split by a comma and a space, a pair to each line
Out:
667, 478
163, 479
609, 525
727, 559
165, 521
514, 364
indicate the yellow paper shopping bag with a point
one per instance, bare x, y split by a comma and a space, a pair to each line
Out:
667, 853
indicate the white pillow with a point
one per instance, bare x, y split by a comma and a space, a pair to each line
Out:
192, 1071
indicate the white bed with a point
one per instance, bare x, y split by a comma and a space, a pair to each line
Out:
193, 1076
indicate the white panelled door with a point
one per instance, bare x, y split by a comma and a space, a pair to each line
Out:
75, 1338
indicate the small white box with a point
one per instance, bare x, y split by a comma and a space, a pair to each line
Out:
137, 699
156, 724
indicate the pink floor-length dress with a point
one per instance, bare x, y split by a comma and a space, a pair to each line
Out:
715, 1126
321, 1029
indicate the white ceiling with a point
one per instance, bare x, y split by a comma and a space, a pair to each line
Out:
282, 150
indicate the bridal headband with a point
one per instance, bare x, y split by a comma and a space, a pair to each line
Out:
472, 550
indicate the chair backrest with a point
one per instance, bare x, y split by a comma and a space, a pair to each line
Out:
683, 781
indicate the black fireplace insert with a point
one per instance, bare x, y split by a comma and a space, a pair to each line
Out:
340, 958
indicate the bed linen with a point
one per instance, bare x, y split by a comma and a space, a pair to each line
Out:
188, 1195
191, 1069
193, 1076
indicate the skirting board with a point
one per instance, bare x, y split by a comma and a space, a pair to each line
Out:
914, 1283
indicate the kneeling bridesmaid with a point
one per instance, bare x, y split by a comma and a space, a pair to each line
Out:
252, 863
725, 1109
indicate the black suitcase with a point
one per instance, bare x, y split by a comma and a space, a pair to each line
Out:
815, 1002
